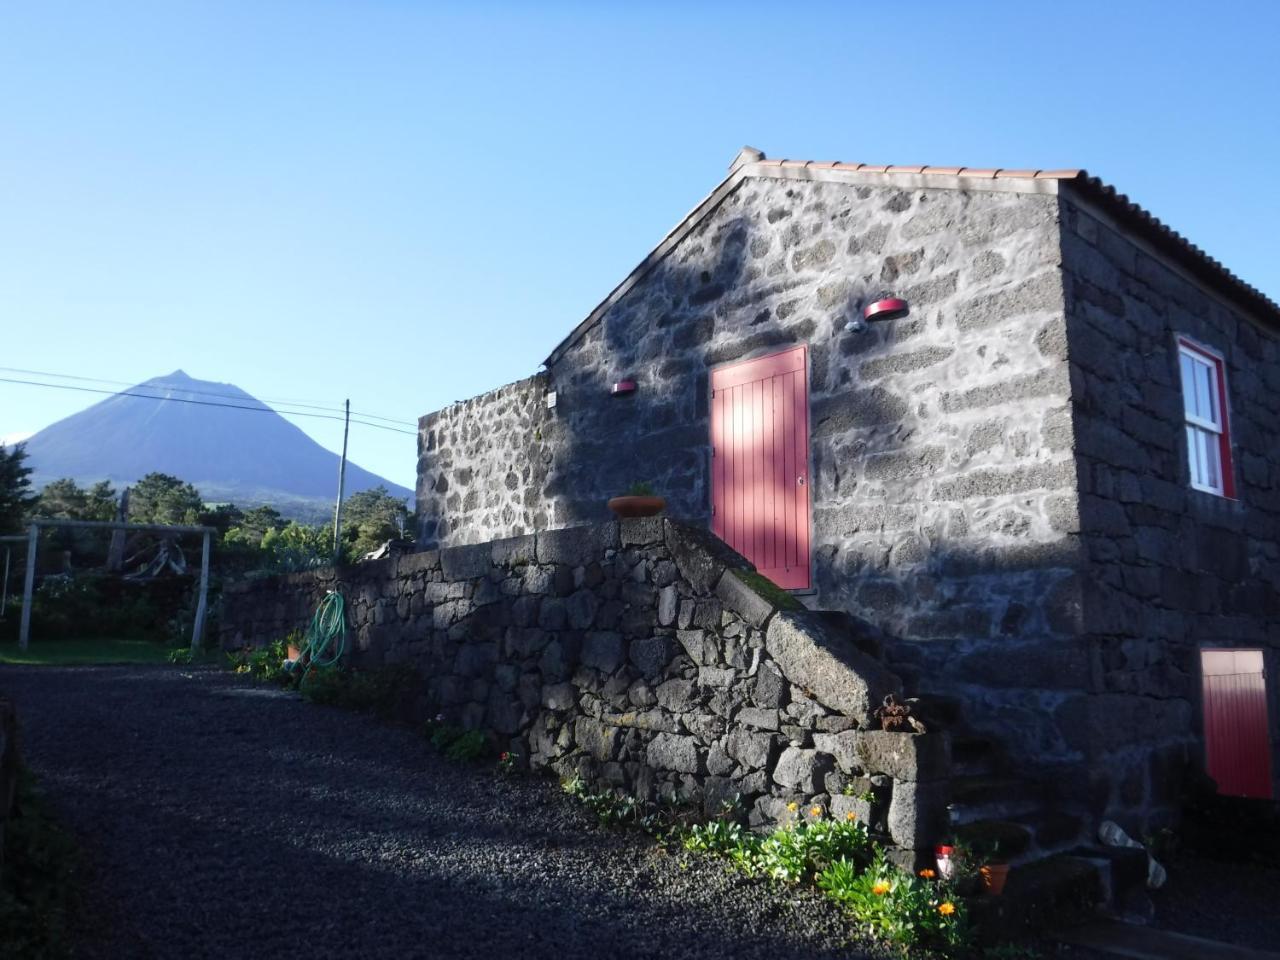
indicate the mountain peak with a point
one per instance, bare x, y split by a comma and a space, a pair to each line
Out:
213, 435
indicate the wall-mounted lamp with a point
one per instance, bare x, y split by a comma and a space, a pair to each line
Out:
622, 388
887, 308
891, 308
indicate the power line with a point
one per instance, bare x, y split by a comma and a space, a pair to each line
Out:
208, 393
202, 403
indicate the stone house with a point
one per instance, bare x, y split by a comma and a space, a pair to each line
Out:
1055, 483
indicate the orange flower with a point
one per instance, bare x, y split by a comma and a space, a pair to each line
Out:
946, 908
815, 811
928, 874
851, 816
882, 887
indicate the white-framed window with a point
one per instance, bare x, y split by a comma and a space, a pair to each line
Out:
1204, 403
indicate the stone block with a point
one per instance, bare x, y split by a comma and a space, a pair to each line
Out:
576, 546
597, 739
801, 770
678, 696
827, 664
771, 687
668, 605
513, 551
650, 655
668, 751
754, 751
700, 556
602, 650
641, 531
757, 718
581, 609
904, 756
842, 806
917, 816
558, 696
737, 596
466, 563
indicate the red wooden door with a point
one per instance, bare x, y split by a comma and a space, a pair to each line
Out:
1237, 737
760, 463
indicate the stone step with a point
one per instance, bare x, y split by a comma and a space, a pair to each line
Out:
1124, 869
1054, 830
970, 793
1045, 892
1007, 839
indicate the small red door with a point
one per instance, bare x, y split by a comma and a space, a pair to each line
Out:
1237, 737
760, 463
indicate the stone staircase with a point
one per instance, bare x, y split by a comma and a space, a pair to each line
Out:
1055, 871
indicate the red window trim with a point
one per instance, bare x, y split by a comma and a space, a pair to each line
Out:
1224, 438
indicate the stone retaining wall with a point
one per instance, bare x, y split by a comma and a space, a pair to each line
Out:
643, 656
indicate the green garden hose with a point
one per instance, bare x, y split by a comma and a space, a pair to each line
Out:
327, 632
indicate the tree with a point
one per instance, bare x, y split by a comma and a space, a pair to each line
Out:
160, 498
370, 518
63, 499
101, 501
297, 546
16, 498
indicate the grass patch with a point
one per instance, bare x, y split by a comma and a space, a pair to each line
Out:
91, 651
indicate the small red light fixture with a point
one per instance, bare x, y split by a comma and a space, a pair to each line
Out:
622, 388
890, 308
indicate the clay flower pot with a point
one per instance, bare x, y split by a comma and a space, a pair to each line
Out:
994, 876
632, 506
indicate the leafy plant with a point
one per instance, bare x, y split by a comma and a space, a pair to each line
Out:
640, 490
893, 905
264, 664
456, 743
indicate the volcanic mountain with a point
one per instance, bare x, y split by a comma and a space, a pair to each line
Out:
228, 454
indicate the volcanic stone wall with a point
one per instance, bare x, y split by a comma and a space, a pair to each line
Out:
1170, 569
642, 656
482, 466
942, 477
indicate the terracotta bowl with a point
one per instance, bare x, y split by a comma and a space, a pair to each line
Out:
637, 506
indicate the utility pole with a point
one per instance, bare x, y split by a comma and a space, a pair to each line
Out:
342, 479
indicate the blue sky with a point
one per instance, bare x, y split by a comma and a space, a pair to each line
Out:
408, 204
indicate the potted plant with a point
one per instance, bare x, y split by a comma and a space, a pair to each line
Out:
994, 871
639, 501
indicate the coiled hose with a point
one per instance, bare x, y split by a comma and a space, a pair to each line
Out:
327, 632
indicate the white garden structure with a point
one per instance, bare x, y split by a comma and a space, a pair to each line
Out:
33, 537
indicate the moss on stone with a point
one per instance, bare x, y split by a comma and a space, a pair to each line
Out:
768, 590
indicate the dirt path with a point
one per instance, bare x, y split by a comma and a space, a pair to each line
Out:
230, 820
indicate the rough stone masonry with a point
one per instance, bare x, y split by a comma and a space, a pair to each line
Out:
642, 655
999, 480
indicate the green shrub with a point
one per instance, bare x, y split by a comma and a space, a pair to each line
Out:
456, 743
39, 881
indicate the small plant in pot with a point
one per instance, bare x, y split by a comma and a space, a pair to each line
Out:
639, 501
994, 871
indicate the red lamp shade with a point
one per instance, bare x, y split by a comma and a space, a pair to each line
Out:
622, 388
889, 309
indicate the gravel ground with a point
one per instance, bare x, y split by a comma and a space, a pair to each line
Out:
1235, 903
224, 819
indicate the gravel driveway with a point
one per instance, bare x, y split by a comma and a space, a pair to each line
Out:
225, 819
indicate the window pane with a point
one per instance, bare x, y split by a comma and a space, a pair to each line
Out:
1188, 383
1204, 458
1205, 400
